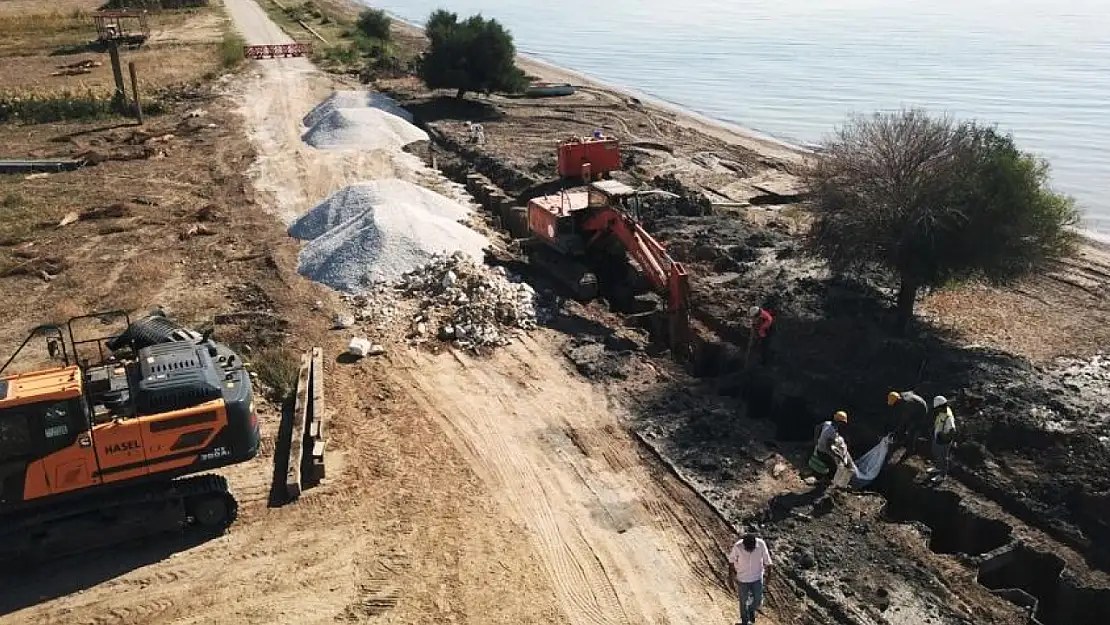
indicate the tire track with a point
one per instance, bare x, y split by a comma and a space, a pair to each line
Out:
647, 559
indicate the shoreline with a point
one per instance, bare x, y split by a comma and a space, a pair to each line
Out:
761, 144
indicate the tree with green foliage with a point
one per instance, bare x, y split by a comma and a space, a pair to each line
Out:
374, 23
473, 55
931, 201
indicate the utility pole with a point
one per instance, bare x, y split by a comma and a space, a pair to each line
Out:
120, 99
135, 92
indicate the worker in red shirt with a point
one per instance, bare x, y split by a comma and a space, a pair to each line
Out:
763, 328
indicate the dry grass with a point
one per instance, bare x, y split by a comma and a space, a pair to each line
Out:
277, 368
158, 67
1040, 319
26, 7
25, 34
184, 47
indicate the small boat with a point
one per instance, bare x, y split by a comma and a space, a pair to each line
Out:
547, 89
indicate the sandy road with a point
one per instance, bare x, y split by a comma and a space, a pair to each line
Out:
460, 490
291, 175
615, 544
619, 540
622, 541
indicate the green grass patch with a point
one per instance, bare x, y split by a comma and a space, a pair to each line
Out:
45, 108
231, 50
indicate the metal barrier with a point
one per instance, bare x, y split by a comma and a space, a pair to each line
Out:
270, 51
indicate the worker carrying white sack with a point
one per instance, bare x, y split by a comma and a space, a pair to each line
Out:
831, 457
830, 451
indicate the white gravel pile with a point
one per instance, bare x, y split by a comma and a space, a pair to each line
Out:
360, 120
468, 303
355, 100
377, 231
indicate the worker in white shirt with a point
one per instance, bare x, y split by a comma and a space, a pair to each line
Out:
747, 562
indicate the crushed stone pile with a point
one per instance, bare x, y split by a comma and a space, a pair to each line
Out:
360, 120
355, 100
469, 303
375, 232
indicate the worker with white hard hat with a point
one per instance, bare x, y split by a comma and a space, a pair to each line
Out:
944, 432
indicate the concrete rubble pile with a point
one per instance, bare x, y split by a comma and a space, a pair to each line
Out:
468, 303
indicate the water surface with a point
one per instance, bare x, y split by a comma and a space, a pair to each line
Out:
794, 69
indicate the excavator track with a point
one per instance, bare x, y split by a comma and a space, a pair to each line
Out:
571, 274
200, 502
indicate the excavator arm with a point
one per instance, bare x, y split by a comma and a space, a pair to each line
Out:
666, 275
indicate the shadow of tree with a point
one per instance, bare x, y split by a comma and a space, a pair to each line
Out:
449, 108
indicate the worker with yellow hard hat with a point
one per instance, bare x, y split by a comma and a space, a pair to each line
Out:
909, 421
830, 448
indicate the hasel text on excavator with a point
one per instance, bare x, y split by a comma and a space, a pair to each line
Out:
107, 444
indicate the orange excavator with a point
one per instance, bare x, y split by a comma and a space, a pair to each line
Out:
584, 238
94, 450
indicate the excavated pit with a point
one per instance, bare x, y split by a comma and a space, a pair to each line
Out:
1035, 580
954, 529
1039, 582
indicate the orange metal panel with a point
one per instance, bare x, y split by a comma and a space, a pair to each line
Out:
603, 155
162, 432
73, 467
48, 385
541, 221
34, 483
119, 447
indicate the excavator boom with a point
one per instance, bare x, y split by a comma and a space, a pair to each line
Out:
666, 275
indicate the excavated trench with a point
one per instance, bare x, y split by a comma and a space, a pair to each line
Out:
1035, 580
954, 529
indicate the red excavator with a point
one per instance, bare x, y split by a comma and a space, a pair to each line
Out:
584, 240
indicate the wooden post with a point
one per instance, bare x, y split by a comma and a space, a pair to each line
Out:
120, 98
135, 92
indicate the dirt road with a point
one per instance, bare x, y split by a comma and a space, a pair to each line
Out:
620, 540
291, 175
501, 490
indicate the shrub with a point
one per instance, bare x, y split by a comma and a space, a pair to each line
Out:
374, 23
54, 107
231, 50
932, 201
278, 368
473, 55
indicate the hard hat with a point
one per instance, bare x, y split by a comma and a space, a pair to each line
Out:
753, 311
939, 401
893, 398
840, 416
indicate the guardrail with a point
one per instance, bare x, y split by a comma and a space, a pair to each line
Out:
270, 51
